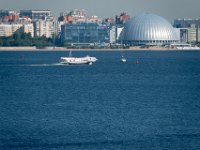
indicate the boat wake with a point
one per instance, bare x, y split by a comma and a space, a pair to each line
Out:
46, 65
50, 65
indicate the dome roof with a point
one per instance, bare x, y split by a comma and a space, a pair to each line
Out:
149, 27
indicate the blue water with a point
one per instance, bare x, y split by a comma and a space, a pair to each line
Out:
154, 104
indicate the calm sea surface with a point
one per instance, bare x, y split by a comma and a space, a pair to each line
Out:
110, 105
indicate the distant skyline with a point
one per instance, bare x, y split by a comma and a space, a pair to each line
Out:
169, 9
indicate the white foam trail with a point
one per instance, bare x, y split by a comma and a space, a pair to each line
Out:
46, 65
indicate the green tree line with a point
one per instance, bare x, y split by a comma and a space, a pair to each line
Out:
25, 39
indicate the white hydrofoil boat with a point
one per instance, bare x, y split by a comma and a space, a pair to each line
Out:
78, 60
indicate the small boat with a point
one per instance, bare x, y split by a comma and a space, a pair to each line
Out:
78, 60
123, 59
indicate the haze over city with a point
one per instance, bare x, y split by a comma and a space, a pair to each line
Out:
169, 9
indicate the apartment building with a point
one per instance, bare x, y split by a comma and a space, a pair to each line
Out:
44, 28
9, 29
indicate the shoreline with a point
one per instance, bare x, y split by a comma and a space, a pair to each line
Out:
135, 48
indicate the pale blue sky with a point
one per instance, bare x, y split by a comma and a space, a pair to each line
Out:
169, 9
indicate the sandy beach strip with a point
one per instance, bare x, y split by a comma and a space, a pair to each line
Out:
135, 48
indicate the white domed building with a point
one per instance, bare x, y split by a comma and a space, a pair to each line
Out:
148, 29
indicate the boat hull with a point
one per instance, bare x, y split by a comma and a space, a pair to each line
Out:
78, 61
123, 60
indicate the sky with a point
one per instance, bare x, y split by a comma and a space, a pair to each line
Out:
169, 9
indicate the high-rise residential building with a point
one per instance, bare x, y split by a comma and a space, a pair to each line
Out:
5, 30
4, 13
115, 32
189, 30
36, 14
7, 13
9, 29
110, 21
44, 28
9, 16
198, 34
183, 32
28, 28
121, 19
84, 33
35, 22
78, 13
192, 34
186, 23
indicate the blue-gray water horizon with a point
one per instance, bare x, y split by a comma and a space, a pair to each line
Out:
150, 102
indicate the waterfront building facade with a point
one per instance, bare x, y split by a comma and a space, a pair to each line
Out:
189, 30
84, 33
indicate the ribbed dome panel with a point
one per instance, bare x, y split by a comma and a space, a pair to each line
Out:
149, 27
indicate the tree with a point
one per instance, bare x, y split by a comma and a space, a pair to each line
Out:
25, 39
